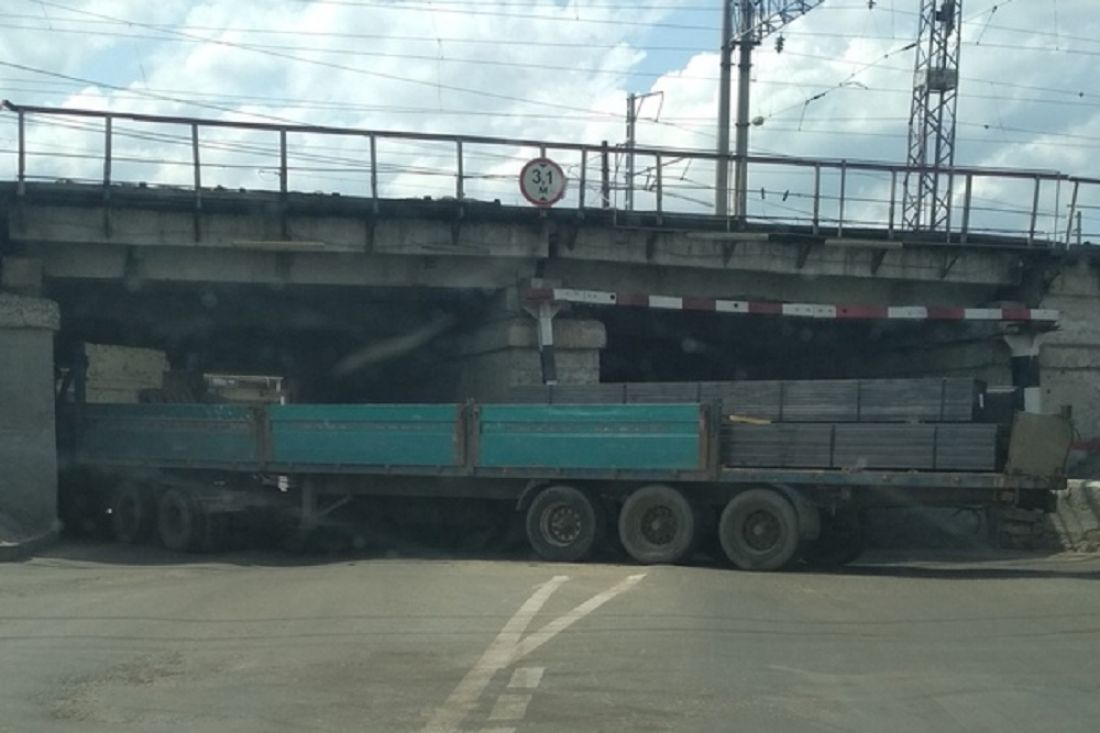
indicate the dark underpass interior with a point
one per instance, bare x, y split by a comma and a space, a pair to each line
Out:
401, 345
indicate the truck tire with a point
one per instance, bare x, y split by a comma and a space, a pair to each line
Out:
841, 542
759, 530
564, 524
131, 514
658, 525
179, 522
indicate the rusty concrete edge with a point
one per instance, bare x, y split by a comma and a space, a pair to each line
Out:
19, 311
18, 551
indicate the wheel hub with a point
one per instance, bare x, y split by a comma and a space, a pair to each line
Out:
659, 525
761, 531
562, 524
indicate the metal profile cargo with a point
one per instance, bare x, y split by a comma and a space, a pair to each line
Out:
818, 400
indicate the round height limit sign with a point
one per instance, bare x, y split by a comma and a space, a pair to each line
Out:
542, 182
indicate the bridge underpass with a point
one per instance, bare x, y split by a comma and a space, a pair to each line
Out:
423, 298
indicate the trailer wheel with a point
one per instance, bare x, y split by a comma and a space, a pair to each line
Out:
759, 530
131, 513
563, 523
179, 521
658, 525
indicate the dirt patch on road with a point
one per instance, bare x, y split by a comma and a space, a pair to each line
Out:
104, 696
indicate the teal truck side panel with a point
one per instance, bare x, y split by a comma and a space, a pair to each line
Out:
609, 437
524, 440
169, 435
365, 435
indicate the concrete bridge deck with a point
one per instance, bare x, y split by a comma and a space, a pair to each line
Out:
264, 237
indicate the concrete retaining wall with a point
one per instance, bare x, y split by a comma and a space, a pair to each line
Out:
28, 451
1070, 356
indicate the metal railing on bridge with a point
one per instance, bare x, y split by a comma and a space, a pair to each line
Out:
846, 199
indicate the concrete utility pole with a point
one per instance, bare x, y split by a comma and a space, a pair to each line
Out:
722, 174
754, 20
744, 83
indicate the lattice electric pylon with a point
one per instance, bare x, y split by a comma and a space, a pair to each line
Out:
927, 202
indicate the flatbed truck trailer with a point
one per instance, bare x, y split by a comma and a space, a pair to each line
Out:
652, 473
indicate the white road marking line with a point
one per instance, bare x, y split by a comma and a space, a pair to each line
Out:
497, 656
509, 647
560, 624
527, 678
510, 707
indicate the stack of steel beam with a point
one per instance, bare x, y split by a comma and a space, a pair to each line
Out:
855, 446
836, 400
902, 424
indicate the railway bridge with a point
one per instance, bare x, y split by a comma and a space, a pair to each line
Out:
406, 266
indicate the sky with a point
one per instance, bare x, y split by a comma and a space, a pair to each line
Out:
546, 70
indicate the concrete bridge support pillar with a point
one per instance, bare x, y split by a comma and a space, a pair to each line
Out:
28, 451
508, 351
1070, 357
1069, 362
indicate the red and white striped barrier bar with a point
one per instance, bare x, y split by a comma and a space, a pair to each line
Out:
795, 310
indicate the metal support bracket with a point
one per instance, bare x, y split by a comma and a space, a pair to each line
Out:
456, 226
132, 266
544, 312
371, 223
727, 251
949, 260
651, 245
553, 241
877, 258
803, 254
572, 232
311, 511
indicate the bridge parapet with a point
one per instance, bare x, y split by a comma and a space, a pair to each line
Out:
844, 202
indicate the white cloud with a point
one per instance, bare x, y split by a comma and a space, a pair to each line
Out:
358, 65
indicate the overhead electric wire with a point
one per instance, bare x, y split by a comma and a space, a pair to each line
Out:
590, 114
573, 5
152, 95
352, 69
385, 6
345, 34
384, 54
305, 103
626, 72
355, 36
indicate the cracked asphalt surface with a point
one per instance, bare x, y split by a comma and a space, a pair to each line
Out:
108, 638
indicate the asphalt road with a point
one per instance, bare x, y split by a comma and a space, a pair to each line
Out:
104, 638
